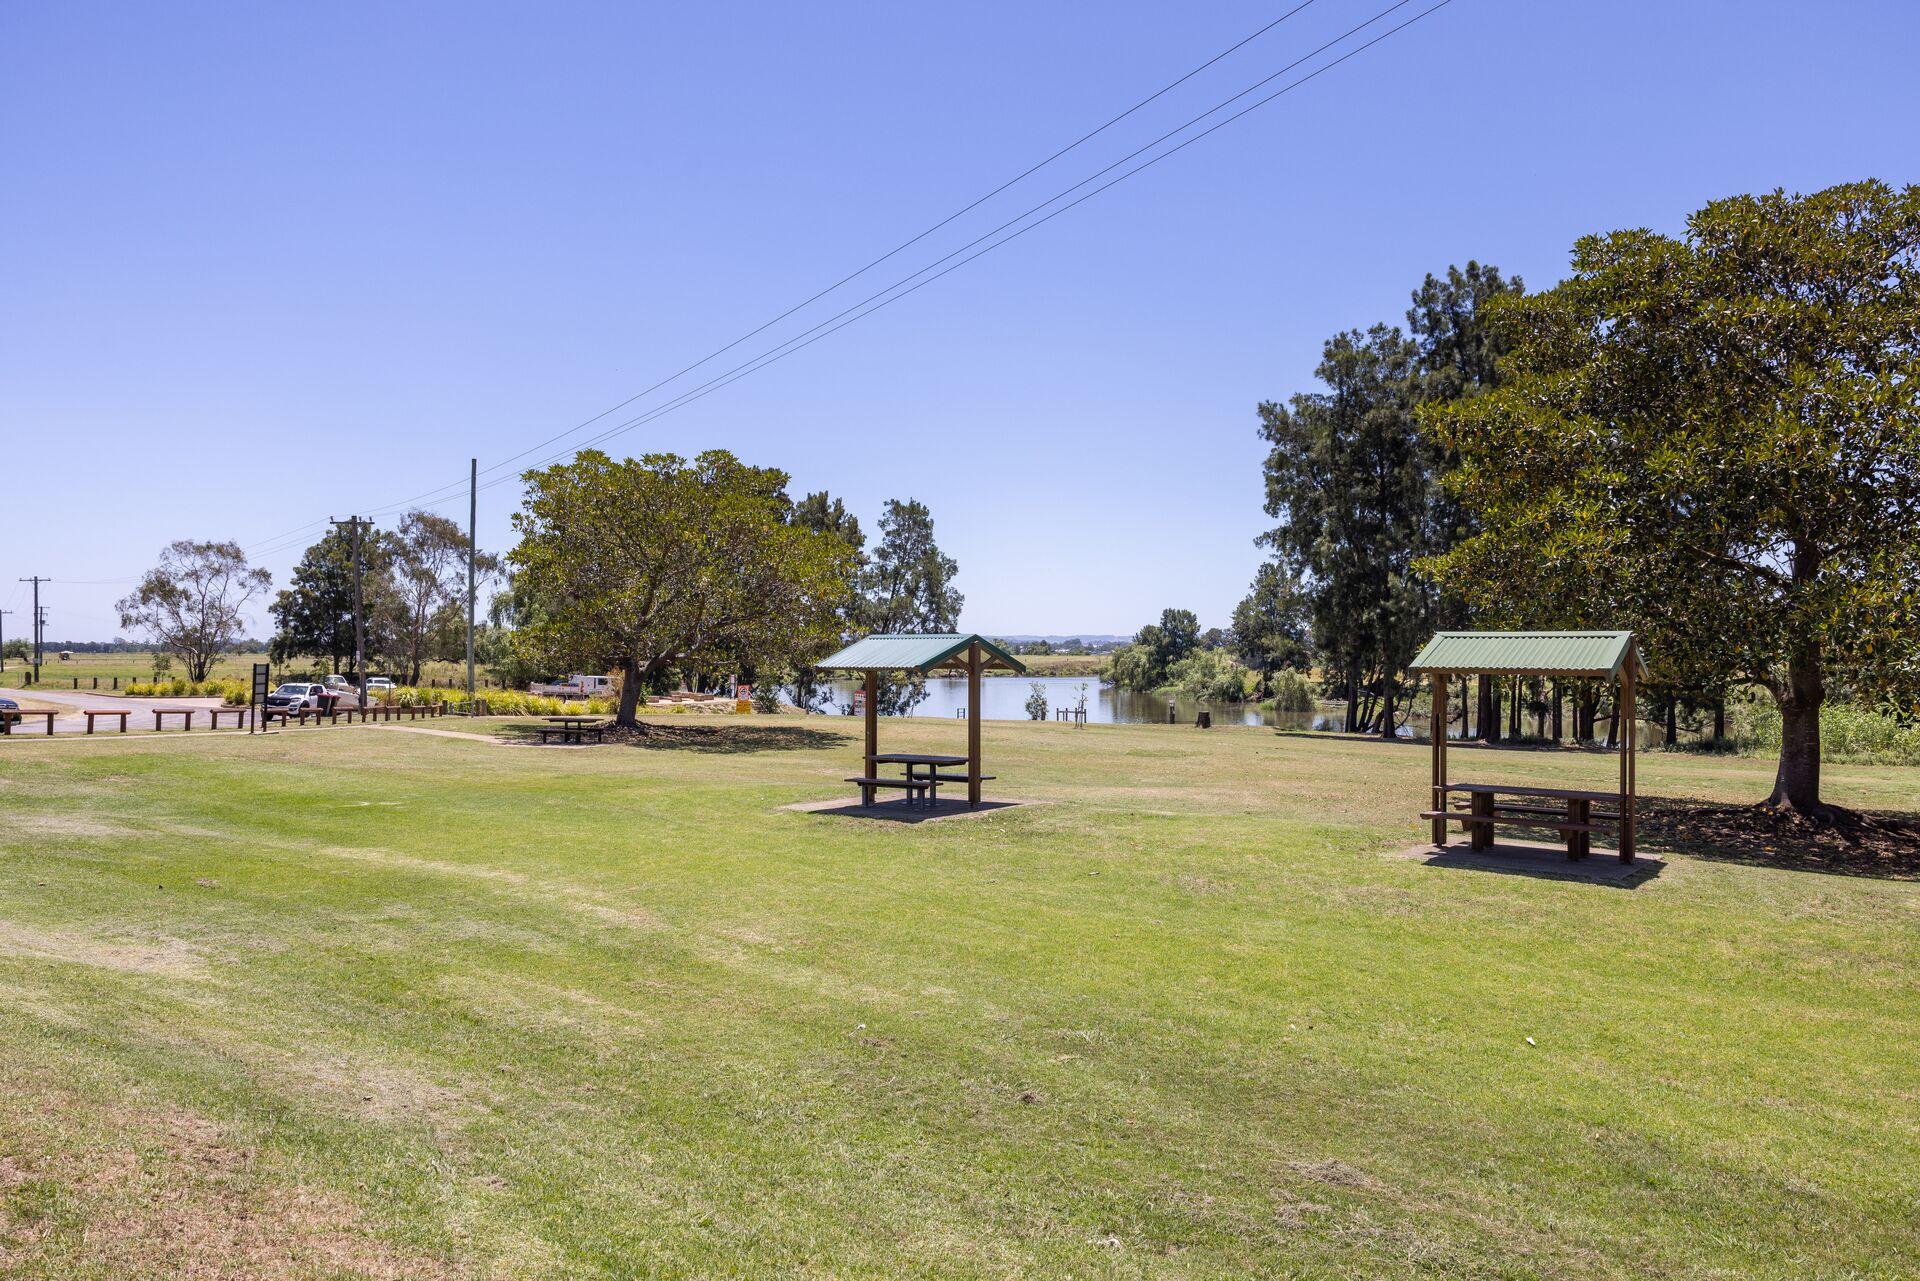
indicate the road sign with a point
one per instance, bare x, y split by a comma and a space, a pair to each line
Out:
261, 684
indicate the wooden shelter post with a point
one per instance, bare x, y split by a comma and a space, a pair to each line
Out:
1628, 735
973, 724
1439, 735
872, 719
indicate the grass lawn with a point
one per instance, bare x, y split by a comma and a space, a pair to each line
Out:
371, 1001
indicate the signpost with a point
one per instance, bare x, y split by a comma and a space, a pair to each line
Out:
261, 684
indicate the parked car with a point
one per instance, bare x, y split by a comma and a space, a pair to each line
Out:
8, 705
295, 695
380, 685
578, 685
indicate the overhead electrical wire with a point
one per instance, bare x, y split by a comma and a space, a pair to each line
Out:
853, 275
880, 299
808, 337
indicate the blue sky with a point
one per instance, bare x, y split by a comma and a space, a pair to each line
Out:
266, 264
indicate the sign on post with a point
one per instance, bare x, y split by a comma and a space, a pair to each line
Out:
261, 684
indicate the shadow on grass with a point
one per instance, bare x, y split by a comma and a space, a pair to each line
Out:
715, 739
1857, 843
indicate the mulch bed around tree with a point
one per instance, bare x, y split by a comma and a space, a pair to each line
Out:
1854, 843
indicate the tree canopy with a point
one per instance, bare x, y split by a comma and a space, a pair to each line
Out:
653, 562
192, 603
1716, 436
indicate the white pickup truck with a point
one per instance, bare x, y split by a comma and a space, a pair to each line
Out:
578, 685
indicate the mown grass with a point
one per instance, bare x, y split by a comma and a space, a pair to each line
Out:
454, 1008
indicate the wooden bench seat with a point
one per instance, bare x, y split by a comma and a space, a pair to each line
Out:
13, 716
239, 715
94, 713
918, 786
184, 713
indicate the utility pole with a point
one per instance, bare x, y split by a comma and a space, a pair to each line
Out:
473, 519
359, 625
39, 622
3, 638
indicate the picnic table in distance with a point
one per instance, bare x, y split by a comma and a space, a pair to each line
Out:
573, 729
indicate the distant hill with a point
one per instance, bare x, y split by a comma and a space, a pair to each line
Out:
1091, 638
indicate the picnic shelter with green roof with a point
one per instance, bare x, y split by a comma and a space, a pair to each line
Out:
965, 653
1609, 656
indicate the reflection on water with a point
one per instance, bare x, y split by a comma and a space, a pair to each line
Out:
1004, 698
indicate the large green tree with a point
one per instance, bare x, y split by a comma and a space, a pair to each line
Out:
193, 602
313, 614
1349, 480
1273, 624
1719, 433
658, 562
429, 561
907, 586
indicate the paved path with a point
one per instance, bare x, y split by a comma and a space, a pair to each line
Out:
80, 700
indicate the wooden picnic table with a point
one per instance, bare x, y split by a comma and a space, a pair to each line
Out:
1573, 816
11, 716
915, 784
574, 729
92, 713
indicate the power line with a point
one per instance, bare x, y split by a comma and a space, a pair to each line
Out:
447, 491
808, 337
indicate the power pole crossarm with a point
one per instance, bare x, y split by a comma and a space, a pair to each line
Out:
39, 623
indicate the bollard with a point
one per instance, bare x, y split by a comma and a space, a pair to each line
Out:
1173, 713
1204, 720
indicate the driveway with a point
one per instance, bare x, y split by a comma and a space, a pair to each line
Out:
71, 722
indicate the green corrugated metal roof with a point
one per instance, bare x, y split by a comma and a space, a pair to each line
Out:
1532, 653
881, 652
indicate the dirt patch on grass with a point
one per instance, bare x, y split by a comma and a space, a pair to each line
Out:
66, 825
382, 1091
1854, 843
161, 956
117, 1191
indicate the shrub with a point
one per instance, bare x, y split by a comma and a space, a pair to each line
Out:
1037, 702
1291, 692
1209, 676
766, 697
1848, 733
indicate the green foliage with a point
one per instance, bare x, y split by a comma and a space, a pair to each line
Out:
232, 693
1849, 733
766, 695
1350, 482
907, 586
17, 648
1290, 691
1716, 439
1209, 676
193, 602
652, 563
1145, 664
1036, 701
313, 615
1272, 626
429, 566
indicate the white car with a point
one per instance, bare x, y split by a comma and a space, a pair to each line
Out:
295, 695
380, 685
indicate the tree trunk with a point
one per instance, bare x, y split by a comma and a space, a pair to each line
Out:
1488, 712
1353, 701
1797, 784
629, 714
1559, 722
1513, 712
1386, 713
1613, 723
1673, 719
1719, 719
